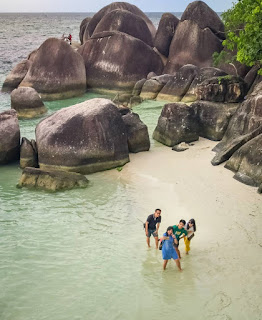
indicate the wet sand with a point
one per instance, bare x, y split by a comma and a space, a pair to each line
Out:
226, 251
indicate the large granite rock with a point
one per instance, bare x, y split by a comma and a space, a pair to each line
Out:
27, 103
154, 85
222, 89
16, 75
151, 89
138, 87
87, 137
57, 71
234, 67
165, 32
137, 133
245, 124
251, 76
115, 61
83, 27
192, 45
176, 88
177, 123
213, 118
205, 17
28, 154
202, 75
126, 22
9, 137
114, 6
49, 180
246, 162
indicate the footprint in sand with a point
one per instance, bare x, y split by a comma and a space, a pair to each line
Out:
218, 303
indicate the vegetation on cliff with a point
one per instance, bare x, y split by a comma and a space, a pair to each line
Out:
243, 28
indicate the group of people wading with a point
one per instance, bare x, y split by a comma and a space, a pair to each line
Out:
169, 243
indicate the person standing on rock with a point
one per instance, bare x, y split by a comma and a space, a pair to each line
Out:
179, 231
152, 225
70, 38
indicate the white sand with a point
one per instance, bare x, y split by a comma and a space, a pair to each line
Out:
226, 252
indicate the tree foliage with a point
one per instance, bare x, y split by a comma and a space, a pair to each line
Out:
243, 27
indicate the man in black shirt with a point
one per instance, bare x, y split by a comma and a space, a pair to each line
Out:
152, 225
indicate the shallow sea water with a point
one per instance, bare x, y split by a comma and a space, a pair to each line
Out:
81, 254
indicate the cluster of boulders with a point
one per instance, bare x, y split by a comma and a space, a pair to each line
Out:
239, 125
190, 84
88, 137
242, 142
121, 51
120, 45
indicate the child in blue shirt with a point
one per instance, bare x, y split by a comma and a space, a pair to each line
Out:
168, 249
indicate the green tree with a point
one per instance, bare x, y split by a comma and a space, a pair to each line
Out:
243, 27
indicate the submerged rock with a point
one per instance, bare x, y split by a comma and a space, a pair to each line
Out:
135, 100
51, 180
87, 137
137, 133
177, 123
9, 137
16, 75
138, 87
165, 32
56, 72
28, 154
115, 61
27, 103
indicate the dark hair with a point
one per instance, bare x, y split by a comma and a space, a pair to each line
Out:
158, 210
183, 221
193, 223
169, 228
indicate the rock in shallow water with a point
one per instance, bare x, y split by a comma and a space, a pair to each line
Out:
115, 61
51, 180
56, 72
9, 137
27, 103
28, 154
16, 75
87, 137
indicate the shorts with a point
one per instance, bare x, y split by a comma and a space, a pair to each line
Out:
153, 232
176, 245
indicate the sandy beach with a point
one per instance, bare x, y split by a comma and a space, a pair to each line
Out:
226, 251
